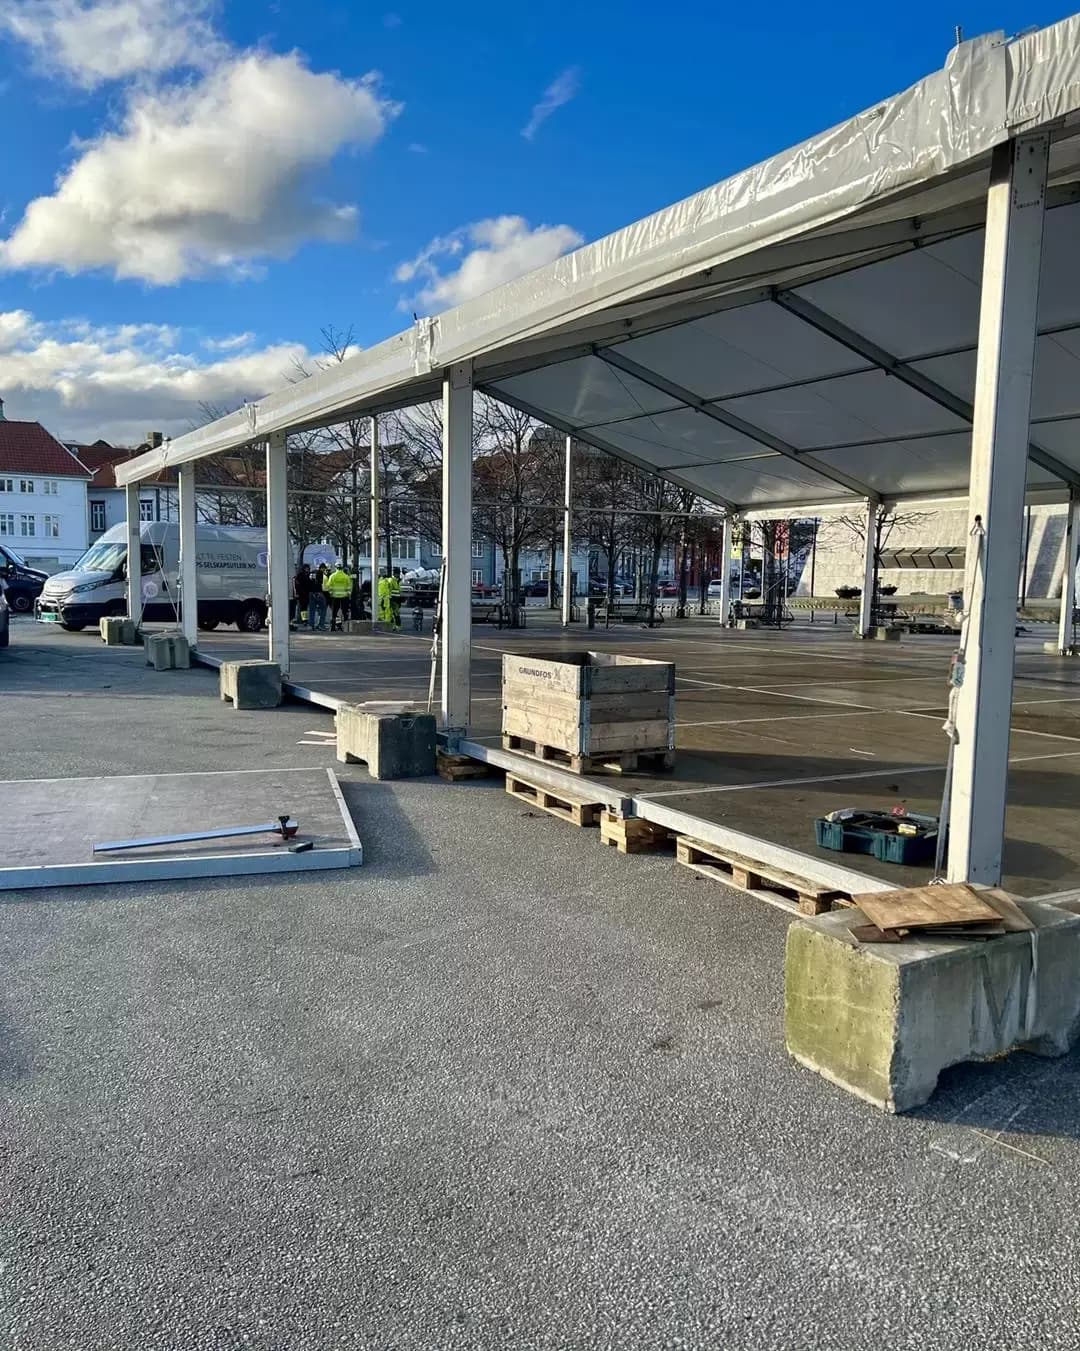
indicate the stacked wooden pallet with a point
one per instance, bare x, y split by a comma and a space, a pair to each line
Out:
787, 890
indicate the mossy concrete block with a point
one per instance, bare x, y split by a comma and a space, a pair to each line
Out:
358, 626
251, 684
393, 741
883, 1020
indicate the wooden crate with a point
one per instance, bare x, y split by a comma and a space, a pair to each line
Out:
590, 710
579, 811
801, 895
632, 835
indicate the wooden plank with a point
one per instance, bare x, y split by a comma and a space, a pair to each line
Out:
923, 907
456, 768
543, 673
650, 704
632, 835
625, 679
626, 736
561, 735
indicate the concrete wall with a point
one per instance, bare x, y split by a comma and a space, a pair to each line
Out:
839, 554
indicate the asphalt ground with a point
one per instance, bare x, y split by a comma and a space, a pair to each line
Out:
776, 729
499, 1088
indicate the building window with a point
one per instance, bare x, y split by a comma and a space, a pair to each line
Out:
7, 523
97, 516
27, 526
478, 576
146, 508
478, 548
7, 485
26, 485
401, 547
436, 549
50, 487
51, 527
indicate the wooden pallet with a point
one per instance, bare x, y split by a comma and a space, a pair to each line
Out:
632, 835
578, 811
618, 762
455, 768
807, 898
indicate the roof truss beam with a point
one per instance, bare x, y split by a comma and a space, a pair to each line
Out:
730, 420
591, 438
840, 332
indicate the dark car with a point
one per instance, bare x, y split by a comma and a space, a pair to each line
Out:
23, 584
5, 617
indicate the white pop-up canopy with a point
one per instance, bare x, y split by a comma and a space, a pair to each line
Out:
889, 311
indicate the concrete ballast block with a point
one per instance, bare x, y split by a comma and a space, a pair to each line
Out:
251, 684
118, 631
167, 651
357, 626
394, 741
883, 1020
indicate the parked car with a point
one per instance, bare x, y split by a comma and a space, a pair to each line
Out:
539, 589
23, 584
5, 616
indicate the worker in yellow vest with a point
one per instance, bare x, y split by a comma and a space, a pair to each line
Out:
338, 586
389, 602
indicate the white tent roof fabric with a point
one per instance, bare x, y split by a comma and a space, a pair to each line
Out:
802, 334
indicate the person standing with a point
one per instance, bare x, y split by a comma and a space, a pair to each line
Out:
338, 586
302, 587
385, 613
395, 598
317, 601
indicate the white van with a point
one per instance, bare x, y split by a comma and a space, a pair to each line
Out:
232, 578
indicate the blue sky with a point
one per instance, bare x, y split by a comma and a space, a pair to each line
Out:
248, 173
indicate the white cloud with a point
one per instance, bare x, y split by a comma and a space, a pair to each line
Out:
232, 343
491, 252
206, 178
94, 41
561, 90
83, 380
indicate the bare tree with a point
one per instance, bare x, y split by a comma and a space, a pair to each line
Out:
886, 518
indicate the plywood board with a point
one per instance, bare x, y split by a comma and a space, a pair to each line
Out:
926, 907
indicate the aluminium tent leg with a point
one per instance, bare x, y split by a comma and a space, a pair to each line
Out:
1000, 435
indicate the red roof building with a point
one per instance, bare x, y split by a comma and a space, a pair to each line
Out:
27, 448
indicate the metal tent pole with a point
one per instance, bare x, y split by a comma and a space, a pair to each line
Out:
982, 703
375, 488
277, 536
189, 574
568, 535
134, 554
1068, 575
866, 600
457, 549
727, 533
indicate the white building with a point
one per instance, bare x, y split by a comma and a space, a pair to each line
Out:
106, 504
42, 496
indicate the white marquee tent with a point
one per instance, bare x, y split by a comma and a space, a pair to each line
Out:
859, 319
